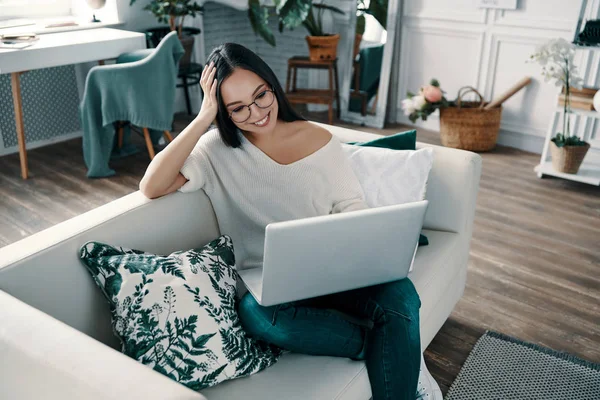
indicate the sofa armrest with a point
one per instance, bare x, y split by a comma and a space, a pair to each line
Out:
42, 358
452, 189
44, 270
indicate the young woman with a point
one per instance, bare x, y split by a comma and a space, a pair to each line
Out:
265, 163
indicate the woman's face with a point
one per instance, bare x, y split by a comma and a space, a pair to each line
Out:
242, 88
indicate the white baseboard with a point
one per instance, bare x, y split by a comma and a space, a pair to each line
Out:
41, 143
522, 141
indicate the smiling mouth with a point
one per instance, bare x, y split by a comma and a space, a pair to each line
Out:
263, 121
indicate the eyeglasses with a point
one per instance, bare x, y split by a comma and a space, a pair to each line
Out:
263, 100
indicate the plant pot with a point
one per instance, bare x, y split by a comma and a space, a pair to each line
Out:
322, 48
568, 159
357, 40
187, 42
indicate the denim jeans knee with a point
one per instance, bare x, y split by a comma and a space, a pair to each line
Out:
399, 297
255, 319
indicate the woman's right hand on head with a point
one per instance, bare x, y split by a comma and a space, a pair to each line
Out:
209, 87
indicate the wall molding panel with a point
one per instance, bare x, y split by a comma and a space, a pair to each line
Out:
408, 83
505, 38
444, 10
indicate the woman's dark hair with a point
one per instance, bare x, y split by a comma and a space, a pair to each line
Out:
226, 58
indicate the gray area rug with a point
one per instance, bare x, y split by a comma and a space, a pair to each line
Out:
502, 367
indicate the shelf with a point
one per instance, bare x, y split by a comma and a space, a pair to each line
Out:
585, 113
593, 48
588, 172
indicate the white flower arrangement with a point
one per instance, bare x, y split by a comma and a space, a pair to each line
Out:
557, 60
426, 101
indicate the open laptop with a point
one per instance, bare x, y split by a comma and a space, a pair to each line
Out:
316, 256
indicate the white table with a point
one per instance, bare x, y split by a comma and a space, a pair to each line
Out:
64, 48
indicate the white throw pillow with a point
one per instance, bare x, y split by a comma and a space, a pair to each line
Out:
389, 176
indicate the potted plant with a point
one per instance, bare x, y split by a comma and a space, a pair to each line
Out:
291, 14
376, 8
174, 12
556, 58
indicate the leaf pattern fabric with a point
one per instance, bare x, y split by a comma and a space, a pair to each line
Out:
177, 314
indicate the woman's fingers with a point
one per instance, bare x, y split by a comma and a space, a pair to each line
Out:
206, 73
211, 76
213, 90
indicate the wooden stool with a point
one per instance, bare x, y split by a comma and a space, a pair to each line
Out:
318, 96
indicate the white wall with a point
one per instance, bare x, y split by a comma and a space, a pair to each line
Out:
461, 44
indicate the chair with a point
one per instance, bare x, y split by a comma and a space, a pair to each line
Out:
189, 72
139, 88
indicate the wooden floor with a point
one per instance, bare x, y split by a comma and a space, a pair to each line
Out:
534, 271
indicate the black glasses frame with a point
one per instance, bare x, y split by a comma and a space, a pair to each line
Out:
250, 105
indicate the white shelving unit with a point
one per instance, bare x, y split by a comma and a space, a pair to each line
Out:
589, 172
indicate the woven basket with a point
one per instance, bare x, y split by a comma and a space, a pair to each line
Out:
468, 126
568, 159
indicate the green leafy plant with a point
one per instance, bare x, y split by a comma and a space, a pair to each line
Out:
172, 11
290, 14
376, 8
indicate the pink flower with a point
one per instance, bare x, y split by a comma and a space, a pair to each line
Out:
432, 93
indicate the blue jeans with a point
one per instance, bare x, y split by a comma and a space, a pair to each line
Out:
378, 324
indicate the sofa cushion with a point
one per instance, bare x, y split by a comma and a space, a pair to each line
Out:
390, 177
177, 313
398, 141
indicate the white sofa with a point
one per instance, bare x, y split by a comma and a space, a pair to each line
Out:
55, 332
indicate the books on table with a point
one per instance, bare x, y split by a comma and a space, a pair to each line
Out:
17, 40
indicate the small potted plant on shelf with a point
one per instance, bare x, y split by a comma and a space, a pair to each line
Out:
556, 58
174, 12
291, 14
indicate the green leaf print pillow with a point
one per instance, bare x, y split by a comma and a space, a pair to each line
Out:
177, 313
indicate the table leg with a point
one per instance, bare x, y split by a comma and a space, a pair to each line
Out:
337, 88
18, 106
120, 134
295, 76
331, 94
168, 136
149, 143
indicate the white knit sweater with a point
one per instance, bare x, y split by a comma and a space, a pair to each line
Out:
249, 190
